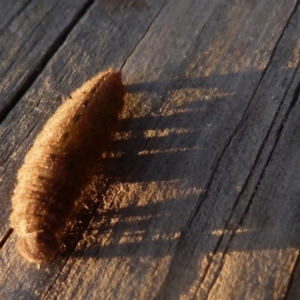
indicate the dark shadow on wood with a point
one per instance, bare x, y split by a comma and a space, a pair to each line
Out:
95, 220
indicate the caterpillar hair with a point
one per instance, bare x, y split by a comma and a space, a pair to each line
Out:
60, 162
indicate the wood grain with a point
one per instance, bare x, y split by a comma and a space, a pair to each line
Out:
30, 33
201, 200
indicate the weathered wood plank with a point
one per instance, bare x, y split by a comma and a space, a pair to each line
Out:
162, 242
162, 264
270, 100
264, 249
30, 32
10, 10
264, 245
210, 85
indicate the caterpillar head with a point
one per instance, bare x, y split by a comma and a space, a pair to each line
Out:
38, 246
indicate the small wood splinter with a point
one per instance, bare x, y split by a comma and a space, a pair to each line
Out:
60, 162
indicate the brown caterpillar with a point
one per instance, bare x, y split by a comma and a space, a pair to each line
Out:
60, 162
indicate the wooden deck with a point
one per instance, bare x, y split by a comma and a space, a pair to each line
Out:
200, 197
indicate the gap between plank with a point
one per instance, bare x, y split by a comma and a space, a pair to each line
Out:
32, 76
5, 237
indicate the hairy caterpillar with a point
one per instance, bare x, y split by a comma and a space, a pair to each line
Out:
60, 162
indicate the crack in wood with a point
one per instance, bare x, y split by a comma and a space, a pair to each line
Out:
292, 277
5, 237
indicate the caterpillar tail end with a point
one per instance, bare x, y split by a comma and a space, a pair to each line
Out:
38, 247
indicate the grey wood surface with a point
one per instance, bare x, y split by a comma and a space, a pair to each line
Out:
30, 32
198, 197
